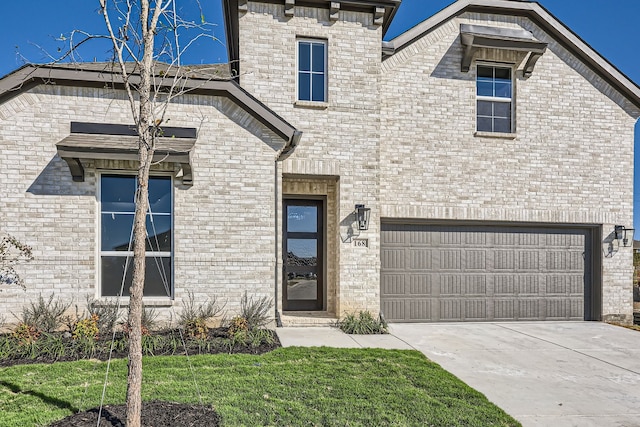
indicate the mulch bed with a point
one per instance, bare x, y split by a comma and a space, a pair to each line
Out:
154, 414
216, 343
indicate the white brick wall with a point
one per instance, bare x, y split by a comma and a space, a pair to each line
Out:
223, 225
341, 138
563, 166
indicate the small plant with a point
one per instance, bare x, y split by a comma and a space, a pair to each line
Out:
256, 312
45, 316
26, 334
364, 323
108, 315
194, 316
197, 328
86, 328
238, 326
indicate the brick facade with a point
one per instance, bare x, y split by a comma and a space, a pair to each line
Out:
397, 134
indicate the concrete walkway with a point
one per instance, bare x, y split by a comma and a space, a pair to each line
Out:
542, 373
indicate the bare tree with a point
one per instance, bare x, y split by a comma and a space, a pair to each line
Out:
12, 252
143, 33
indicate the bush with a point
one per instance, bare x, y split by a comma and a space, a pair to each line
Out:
108, 315
26, 333
255, 312
364, 323
45, 316
194, 316
86, 328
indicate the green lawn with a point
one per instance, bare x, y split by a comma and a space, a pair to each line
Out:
287, 387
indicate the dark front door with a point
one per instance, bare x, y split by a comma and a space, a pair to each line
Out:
303, 250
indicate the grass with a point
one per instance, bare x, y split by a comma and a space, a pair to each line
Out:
287, 387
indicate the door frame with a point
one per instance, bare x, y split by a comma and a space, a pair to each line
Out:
319, 304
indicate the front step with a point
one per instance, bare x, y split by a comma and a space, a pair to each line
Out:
307, 318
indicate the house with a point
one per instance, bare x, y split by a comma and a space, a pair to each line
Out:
468, 170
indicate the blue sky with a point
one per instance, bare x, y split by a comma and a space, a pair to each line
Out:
32, 27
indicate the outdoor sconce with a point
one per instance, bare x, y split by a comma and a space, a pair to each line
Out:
621, 231
362, 216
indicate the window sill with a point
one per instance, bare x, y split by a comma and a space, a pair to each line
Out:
495, 135
312, 104
147, 301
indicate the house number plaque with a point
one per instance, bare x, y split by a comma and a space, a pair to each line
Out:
361, 243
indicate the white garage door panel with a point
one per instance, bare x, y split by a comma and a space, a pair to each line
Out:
482, 273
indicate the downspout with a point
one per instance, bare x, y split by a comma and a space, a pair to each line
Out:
281, 155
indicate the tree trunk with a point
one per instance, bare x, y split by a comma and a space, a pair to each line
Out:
146, 147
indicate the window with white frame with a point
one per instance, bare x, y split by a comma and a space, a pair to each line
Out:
312, 70
494, 92
117, 210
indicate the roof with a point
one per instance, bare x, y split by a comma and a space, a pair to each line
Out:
209, 80
541, 17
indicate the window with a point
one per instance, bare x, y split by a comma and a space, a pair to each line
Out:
494, 99
312, 70
117, 209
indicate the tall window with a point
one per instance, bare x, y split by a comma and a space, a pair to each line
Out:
117, 209
312, 70
494, 99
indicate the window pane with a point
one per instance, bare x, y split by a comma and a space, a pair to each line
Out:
503, 89
503, 73
485, 88
302, 252
117, 193
318, 87
485, 108
157, 276
318, 57
302, 219
304, 87
485, 71
302, 286
502, 109
484, 124
116, 231
502, 125
304, 56
159, 233
160, 194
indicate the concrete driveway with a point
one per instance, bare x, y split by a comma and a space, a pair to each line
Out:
541, 373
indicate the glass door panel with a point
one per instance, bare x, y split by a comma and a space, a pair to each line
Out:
303, 237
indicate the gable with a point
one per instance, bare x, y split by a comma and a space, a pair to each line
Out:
536, 14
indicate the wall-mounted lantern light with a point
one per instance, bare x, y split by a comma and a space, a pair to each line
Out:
362, 217
623, 233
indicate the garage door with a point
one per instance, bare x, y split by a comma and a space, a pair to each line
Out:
439, 273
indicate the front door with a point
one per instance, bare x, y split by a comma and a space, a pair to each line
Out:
303, 254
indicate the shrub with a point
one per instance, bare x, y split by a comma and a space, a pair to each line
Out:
108, 315
364, 323
194, 316
45, 316
238, 326
12, 252
26, 333
256, 312
86, 328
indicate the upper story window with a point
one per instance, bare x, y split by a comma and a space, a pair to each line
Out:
117, 209
494, 93
312, 70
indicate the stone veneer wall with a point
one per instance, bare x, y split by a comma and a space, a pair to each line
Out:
570, 160
341, 136
223, 225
